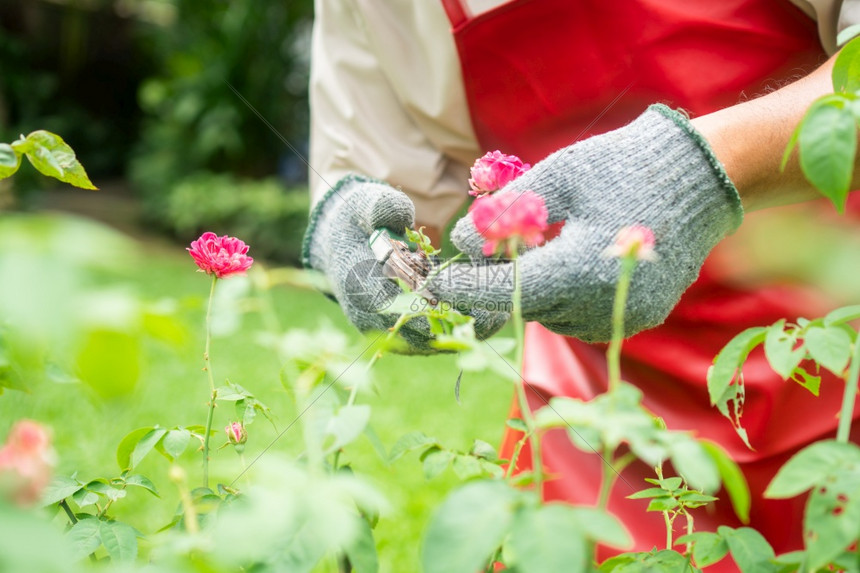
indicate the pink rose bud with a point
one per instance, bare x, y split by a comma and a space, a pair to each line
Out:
636, 240
504, 217
26, 462
236, 433
222, 256
493, 171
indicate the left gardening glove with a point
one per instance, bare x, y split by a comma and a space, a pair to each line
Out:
657, 172
337, 244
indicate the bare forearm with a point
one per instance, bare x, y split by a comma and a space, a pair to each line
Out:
750, 139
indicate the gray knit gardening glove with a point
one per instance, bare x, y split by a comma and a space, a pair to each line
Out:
657, 172
336, 243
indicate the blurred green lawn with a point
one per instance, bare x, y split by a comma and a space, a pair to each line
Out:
412, 393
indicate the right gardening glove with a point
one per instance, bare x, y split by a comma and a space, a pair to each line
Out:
657, 172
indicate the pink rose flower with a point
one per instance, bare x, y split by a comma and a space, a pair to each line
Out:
26, 462
222, 256
507, 218
636, 240
493, 171
236, 433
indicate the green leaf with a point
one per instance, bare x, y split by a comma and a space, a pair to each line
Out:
750, 550
730, 358
101, 487
9, 160
779, 348
665, 503
127, 445
175, 442
654, 561
482, 449
548, 538
842, 315
603, 527
409, 442
733, 480
468, 527
436, 461
53, 157
830, 347
832, 517
85, 537
827, 144
694, 463
807, 380
810, 466
142, 481
466, 466
83, 497
59, 489
846, 68
361, 551
119, 539
145, 445
708, 547
648, 493
517, 424
347, 425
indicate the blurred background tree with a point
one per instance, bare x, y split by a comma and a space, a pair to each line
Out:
141, 90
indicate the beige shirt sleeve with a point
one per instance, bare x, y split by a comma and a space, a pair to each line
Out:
387, 101
387, 98
833, 16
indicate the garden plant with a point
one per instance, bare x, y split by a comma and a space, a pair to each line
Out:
314, 509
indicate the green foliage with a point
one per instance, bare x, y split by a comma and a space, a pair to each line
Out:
195, 116
471, 525
828, 341
648, 562
827, 135
609, 420
49, 154
671, 494
832, 518
268, 216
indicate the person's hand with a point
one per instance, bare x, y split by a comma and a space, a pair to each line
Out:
337, 244
657, 172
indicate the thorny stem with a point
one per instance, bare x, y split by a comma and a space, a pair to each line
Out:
666, 518
610, 469
436, 271
519, 330
214, 393
392, 332
613, 353
689, 517
104, 510
846, 414
209, 417
516, 454
71, 514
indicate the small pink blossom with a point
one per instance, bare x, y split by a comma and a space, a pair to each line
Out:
508, 217
222, 256
493, 171
236, 433
26, 462
636, 240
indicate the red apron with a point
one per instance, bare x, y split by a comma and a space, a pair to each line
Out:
540, 74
